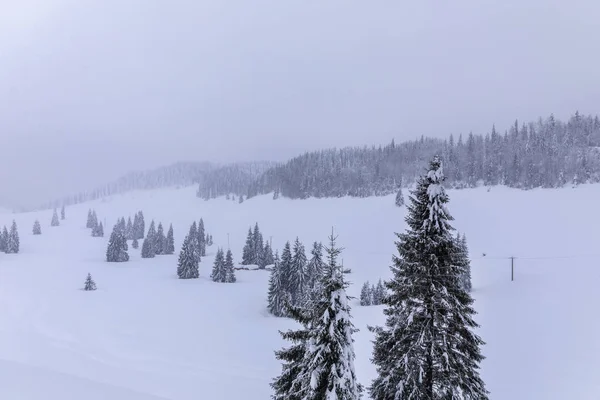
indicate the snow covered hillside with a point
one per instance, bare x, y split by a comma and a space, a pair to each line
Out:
144, 334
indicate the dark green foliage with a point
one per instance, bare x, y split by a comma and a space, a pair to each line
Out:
117, 246
187, 266
37, 228
428, 348
89, 283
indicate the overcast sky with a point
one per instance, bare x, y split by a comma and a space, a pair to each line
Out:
91, 89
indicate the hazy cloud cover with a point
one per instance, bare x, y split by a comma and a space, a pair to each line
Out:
90, 89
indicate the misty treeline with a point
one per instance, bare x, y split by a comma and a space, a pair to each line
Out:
546, 153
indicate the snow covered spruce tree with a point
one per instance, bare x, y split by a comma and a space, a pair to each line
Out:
201, 238
276, 298
428, 349
139, 226
160, 240
170, 241
229, 268
37, 228
314, 273
320, 363
218, 273
89, 283
4, 240
193, 238
187, 266
247, 253
257, 247
377, 294
463, 260
366, 296
399, 198
148, 248
62, 213
90, 220
55, 221
129, 229
299, 278
135, 244
117, 245
13, 243
94, 218
98, 230
151, 237
268, 258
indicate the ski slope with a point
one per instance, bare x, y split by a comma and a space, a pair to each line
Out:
146, 335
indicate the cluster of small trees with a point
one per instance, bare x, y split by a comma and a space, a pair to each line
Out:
223, 269
295, 279
255, 251
372, 295
9, 240
156, 243
319, 364
192, 251
92, 223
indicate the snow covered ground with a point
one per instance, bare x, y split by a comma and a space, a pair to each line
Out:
146, 335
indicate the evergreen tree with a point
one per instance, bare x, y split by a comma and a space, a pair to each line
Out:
170, 241
210, 240
241, 198
100, 230
257, 247
160, 240
90, 220
142, 225
148, 248
300, 279
55, 221
4, 240
277, 297
287, 275
229, 268
218, 273
151, 236
463, 261
135, 244
378, 293
89, 283
247, 253
135, 227
94, 219
123, 227
37, 228
268, 258
399, 198
314, 273
201, 238
117, 246
428, 348
328, 364
187, 266
62, 213
193, 238
366, 295
129, 230
13, 242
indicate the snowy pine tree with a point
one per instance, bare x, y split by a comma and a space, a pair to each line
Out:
268, 258
148, 248
117, 245
62, 213
428, 348
218, 273
4, 240
135, 244
463, 261
94, 218
247, 253
37, 228
229, 268
151, 236
129, 230
13, 243
314, 273
90, 220
299, 276
201, 238
277, 296
193, 238
377, 294
366, 296
399, 198
100, 230
55, 221
257, 247
187, 266
170, 241
89, 283
160, 240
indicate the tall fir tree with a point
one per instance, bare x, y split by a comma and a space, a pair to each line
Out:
37, 228
366, 296
135, 244
428, 348
148, 248
89, 285
142, 225
170, 241
314, 273
257, 247
55, 221
399, 198
117, 245
90, 220
247, 253
218, 273
193, 238
299, 277
160, 240
378, 294
129, 230
187, 266
277, 295
4, 240
62, 213
464, 262
135, 227
151, 236
13, 243
94, 218
100, 230
229, 268
268, 258
201, 238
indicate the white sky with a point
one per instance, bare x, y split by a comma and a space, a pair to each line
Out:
90, 89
